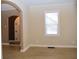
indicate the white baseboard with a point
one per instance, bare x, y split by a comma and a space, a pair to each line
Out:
25, 49
58, 46
66, 46
5, 43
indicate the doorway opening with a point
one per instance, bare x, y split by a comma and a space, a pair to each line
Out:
11, 23
14, 29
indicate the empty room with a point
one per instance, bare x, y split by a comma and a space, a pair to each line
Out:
39, 29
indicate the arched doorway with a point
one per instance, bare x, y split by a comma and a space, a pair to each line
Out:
11, 32
14, 28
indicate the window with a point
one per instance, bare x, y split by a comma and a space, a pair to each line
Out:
51, 23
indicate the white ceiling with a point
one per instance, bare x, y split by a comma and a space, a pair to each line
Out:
33, 2
5, 7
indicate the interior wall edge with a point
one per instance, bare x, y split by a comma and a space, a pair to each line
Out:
56, 46
24, 49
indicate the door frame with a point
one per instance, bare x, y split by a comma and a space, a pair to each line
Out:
21, 18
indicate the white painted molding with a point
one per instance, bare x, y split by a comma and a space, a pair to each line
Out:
5, 43
58, 46
32, 45
25, 49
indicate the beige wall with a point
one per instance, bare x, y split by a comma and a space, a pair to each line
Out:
33, 26
4, 23
67, 18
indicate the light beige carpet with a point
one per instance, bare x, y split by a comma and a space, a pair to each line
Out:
39, 53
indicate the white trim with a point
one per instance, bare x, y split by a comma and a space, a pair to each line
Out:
5, 43
58, 46
25, 49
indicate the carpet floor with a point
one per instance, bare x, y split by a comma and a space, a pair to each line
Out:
10, 52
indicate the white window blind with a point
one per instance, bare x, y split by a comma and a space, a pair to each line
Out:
51, 23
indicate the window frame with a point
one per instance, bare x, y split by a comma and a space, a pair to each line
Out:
58, 33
